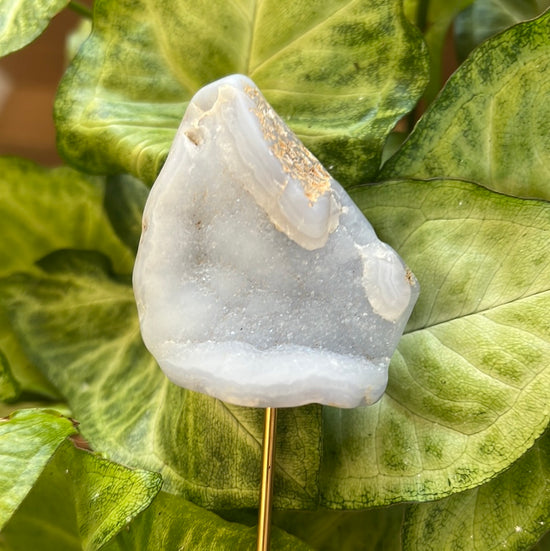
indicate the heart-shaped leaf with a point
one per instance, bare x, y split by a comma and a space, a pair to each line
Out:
490, 124
341, 72
28, 440
469, 385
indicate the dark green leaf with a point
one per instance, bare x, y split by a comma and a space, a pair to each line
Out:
124, 201
512, 511
21, 21
491, 123
543, 544
28, 439
341, 72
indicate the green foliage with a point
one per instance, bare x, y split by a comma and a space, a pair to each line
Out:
28, 439
342, 73
479, 126
458, 432
173, 523
79, 502
509, 512
21, 21
485, 18
434, 18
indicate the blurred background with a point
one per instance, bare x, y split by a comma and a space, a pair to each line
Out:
28, 81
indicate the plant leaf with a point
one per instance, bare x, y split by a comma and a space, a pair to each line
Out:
21, 21
485, 18
28, 439
80, 502
543, 544
434, 19
512, 511
124, 202
490, 124
9, 387
173, 523
370, 530
79, 324
341, 72
19, 373
469, 385
42, 210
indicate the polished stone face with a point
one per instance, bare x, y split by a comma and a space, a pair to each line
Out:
258, 281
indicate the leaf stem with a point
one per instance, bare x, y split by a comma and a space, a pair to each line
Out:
81, 9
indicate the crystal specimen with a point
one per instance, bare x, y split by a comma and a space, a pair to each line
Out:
258, 281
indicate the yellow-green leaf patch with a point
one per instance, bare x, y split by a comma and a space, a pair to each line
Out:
340, 72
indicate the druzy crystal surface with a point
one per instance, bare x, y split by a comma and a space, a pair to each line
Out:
258, 281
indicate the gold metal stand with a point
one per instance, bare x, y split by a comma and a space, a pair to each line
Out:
266, 493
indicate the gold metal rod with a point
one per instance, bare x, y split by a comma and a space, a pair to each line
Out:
266, 492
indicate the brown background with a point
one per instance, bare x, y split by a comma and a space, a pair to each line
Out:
28, 80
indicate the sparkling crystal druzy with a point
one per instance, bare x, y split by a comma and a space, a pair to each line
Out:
258, 281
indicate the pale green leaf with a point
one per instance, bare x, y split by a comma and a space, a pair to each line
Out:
80, 502
511, 512
173, 523
484, 18
79, 323
469, 386
21, 21
341, 72
7, 409
434, 19
28, 439
491, 123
